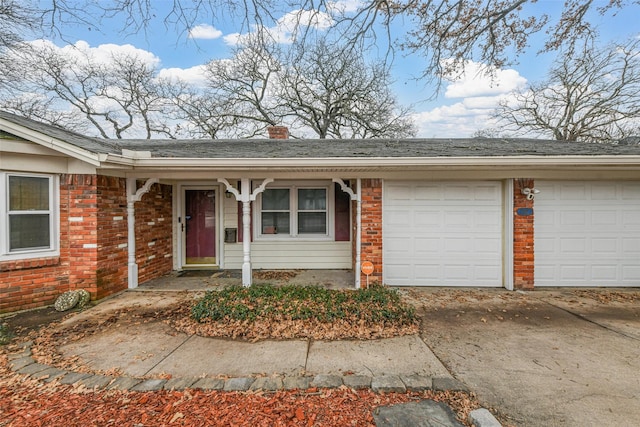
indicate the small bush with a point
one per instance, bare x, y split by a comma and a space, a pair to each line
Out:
5, 334
375, 305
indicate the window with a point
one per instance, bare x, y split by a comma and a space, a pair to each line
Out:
312, 211
295, 211
28, 216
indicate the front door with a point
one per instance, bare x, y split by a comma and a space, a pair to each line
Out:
200, 226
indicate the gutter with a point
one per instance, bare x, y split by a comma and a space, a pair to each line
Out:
367, 162
52, 143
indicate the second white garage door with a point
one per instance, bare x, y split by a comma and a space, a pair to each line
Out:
587, 233
442, 233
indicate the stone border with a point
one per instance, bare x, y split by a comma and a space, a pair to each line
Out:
23, 363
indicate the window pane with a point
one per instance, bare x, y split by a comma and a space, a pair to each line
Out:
28, 193
275, 199
312, 199
275, 222
29, 232
312, 222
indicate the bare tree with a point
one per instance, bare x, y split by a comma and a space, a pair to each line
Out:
247, 84
115, 100
335, 93
493, 32
591, 95
198, 113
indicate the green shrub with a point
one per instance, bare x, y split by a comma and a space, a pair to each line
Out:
376, 304
5, 334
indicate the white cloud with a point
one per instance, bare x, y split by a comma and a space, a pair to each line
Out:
479, 95
477, 80
101, 54
204, 31
345, 6
287, 26
194, 75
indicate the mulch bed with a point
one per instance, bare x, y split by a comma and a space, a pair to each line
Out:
26, 402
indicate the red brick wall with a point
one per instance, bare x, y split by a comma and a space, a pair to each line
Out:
372, 228
523, 237
111, 275
82, 226
93, 244
154, 237
31, 283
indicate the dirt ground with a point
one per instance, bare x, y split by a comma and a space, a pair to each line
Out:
566, 357
26, 402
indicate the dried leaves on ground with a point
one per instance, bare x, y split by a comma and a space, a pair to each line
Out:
26, 402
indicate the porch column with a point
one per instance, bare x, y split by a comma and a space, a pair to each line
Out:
355, 196
134, 195
246, 196
247, 277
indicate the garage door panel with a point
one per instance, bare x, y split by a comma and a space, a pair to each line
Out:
631, 246
573, 218
630, 192
455, 236
488, 246
631, 219
426, 218
603, 272
605, 246
595, 238
398, 217
426, 246
573, 246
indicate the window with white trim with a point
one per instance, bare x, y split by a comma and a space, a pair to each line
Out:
295, 211
28, 216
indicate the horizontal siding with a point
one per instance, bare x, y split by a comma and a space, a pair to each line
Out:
230, 208
290, 254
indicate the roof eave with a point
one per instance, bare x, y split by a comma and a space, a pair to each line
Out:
50, 142
119, 161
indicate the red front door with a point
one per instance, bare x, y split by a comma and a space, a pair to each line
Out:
200, 226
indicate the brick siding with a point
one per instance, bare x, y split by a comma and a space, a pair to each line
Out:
372, 229
154, 235
93, 244
523, 238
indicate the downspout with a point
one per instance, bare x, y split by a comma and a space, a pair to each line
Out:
355, 196
246, 197
133, 196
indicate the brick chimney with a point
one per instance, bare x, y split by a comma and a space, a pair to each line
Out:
278, 132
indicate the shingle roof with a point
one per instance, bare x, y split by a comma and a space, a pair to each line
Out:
330, 148
95, 145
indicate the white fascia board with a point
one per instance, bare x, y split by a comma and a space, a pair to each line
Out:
49, 142
368, 162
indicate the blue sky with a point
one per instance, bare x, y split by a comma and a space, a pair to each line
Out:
461, 108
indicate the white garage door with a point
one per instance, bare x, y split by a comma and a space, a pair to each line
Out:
442, 233
587, 234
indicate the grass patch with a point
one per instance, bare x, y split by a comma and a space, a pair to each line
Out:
292, 311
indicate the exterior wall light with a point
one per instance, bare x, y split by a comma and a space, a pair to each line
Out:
530, 192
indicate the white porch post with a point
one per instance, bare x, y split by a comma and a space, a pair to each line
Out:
133, 196
355, 196
246, 196
246, 232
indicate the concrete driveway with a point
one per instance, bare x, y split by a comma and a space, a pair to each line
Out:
542, 358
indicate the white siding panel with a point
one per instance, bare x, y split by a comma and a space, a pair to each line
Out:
442, 233
289, 255
587, 233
